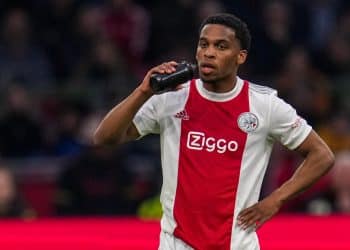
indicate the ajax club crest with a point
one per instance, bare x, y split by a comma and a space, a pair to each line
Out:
248, 122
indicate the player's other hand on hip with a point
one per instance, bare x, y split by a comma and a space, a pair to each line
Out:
256, 215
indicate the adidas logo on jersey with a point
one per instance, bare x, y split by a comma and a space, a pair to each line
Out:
182, 115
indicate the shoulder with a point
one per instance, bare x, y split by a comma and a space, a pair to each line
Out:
263, 97
261, 94
261, 89
171, 95
171, 100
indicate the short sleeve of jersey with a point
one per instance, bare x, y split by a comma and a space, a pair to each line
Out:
146, 119
286, 125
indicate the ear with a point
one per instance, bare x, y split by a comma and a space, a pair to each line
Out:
242, 56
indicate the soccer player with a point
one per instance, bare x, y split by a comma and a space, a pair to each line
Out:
216, 136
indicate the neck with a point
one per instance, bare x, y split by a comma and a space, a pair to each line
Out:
221, 86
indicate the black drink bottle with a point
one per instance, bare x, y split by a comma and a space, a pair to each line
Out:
164, 82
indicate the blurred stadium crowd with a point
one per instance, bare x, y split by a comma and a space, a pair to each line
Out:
64, 63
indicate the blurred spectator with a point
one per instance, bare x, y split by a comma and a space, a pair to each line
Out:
21, 60
88, 27
127, 25
103, 73
342, 62
208, 8
336, 198
11, 203
250, 11
336, 132
274, 39
108, 181
341, 183
94, 184
143, 168
299, 82
322, 18
334, 59
67, 126
87, 128
56, 31
173, 37
20, 128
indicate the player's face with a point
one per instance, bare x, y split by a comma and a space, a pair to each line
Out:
218, 54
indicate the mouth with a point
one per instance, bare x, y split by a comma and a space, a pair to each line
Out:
207, 68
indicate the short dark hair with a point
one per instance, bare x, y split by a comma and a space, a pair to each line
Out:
240, 28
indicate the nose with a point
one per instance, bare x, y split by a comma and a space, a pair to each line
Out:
209, 52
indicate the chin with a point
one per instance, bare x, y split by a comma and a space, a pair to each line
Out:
208, 79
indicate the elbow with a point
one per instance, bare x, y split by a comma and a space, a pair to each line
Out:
329, 159
100, 139
97, 138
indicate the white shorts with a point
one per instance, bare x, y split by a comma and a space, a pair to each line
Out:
170, 242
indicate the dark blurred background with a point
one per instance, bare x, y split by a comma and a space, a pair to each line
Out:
65, 63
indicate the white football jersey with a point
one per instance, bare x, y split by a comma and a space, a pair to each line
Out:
215, 148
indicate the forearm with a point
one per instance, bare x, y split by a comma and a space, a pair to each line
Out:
316, 164
114, 126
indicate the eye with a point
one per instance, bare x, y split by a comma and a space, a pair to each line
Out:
202, 44
221, 46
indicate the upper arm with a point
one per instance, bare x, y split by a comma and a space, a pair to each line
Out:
314, 143
130, 134
319, 159
146, 120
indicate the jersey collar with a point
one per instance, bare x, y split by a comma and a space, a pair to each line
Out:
219, 97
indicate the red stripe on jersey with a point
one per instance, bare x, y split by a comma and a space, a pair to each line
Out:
210, 157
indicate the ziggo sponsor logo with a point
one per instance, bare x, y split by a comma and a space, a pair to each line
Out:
198, 141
